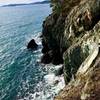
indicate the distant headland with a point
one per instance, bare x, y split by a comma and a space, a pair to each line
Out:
11, 5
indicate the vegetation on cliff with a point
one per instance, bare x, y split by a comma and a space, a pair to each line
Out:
72, 34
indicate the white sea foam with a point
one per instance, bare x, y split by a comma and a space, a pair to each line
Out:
35, 37
50, 78
50, 86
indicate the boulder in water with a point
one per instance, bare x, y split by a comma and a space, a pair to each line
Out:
32, 45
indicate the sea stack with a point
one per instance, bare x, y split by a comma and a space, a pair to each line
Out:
32, 45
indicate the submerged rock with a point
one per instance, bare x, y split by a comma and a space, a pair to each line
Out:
32, 45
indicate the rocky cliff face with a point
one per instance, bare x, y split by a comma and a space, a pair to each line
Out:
71, 35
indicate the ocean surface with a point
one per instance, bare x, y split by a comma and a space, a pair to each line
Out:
22, 77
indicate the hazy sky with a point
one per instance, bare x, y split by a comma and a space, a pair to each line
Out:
4, 2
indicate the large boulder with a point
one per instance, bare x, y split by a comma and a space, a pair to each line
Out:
32, 45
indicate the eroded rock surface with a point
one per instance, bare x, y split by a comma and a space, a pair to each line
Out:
32, 45
72, 33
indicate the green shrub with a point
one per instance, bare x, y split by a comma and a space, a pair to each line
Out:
56, 6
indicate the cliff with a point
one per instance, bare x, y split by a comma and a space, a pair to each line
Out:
71, 36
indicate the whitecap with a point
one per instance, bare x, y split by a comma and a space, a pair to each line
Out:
50, 78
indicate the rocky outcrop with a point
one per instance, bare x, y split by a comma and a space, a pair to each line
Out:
82, 81
86, 86
50, 44
71, 34
32, 45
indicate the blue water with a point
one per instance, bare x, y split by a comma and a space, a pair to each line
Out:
18, 66
22, 77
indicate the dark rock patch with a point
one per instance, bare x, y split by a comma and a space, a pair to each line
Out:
57, 58
52, 56
46, 59
45, 48
32, 45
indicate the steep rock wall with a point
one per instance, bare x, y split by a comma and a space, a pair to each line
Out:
69, 36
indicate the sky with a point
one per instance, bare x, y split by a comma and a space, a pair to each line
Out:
5, 2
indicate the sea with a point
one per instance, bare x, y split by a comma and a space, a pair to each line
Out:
22, 76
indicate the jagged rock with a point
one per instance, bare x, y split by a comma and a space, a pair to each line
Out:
48, 40
73, 58
45, 48
82, 60
32, 45
86, 86
57, 58
52, 56
46, 59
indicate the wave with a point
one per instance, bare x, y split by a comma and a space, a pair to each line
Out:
25, 25
49, 87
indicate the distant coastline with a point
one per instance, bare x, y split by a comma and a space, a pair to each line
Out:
11, 5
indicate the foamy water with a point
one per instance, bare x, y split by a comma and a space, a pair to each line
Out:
22, 76
49, 87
